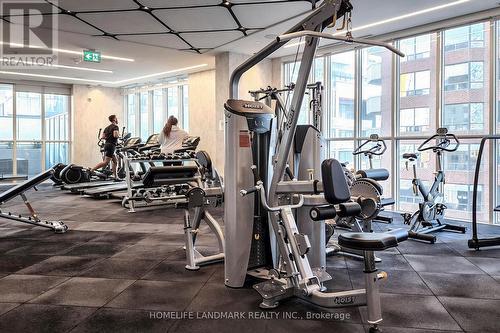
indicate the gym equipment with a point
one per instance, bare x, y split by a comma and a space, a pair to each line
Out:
19, 190
475, 242
430, 215
75, 174
298, 279
273, 243
377, 149
151, 189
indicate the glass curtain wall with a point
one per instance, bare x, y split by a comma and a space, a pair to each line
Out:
148, 109
444, 81
35, 133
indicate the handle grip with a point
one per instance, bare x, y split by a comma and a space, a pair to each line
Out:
249, 191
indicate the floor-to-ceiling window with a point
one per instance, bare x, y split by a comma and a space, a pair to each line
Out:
35, 128
444, 81
148, 108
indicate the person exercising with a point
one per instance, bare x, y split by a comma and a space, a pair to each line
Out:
110, 135
171, 136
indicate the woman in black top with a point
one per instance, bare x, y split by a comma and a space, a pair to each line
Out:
110, 135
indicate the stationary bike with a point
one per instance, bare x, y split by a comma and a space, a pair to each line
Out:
430, 214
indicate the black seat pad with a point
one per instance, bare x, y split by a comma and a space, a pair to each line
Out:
335, 185
497, 209
375, 174
372, 241
23, 187
410, 156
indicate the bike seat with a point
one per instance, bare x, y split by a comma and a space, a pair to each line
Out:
410, 156
371, 241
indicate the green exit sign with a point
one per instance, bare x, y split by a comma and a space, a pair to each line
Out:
91, 56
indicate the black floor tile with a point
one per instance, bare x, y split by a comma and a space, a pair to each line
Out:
218, 297
43, 318
462, 285
124, 321
442, 264
438, 249
22, 288
120, 268
152, 252
389, 262
489, 265
170, 270
337, 326
43, 248
98, 250
61, 266
119, 238
413, 311
341, 279
474, 315
156, 295
79, 291
6, 307
14, 263
220, 326
397, 282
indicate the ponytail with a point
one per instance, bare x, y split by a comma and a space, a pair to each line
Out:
172, 121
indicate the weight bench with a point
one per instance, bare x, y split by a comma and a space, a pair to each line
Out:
19, 190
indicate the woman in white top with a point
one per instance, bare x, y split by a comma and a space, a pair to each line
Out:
171, 136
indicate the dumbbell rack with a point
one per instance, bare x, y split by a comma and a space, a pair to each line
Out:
127, 161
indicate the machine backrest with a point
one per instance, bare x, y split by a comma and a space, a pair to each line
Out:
157, 176
23, 187
335, 185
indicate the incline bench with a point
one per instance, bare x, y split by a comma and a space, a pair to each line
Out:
19, 190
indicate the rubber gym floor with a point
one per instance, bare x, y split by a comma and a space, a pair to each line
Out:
114, 272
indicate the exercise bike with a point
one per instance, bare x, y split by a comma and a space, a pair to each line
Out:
430, 214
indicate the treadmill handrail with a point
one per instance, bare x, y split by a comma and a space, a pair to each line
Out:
475, 237
23, 187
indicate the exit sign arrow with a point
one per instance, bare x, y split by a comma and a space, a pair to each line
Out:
91, 56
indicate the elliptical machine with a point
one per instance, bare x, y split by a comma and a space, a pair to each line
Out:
73, 174
430, 214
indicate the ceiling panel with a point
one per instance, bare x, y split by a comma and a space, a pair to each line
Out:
183, 3
211, 39
124, 22
196, 19
95, 5
268, 14
164, 40
72, 24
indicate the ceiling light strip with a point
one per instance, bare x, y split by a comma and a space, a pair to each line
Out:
103, 56
404, 16
104, 82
